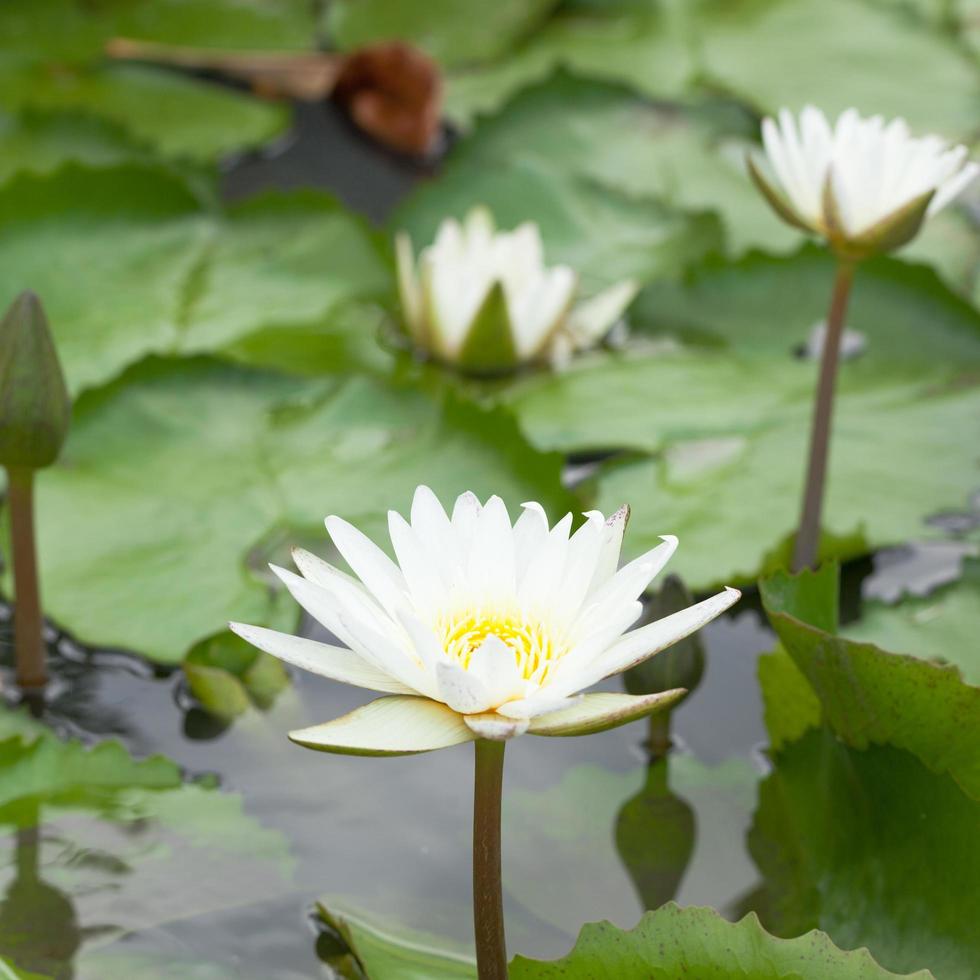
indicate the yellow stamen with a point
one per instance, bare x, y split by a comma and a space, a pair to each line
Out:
535, 647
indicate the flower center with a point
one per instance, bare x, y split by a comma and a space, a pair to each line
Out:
535, 647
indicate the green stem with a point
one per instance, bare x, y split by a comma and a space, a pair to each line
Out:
808, 536
28, 640
488, 901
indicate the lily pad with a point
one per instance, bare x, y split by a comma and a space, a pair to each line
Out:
454, 33
675, 941
604, 235
645, 46
837, 54
869, 696
382, 949
941, 626
734, 500
40, 143
179, 483
128, 263
875, 849
770, 304
109, 252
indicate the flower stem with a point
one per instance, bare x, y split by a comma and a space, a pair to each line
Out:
808, 535
28, 641
488, 903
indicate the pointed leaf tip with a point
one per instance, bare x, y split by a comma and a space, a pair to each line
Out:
35, 407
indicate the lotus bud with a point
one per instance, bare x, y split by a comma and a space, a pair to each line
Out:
863, 185
34, 404
485, 302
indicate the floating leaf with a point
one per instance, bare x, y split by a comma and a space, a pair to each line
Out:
873, 848
837, 54
941, 626
733, 500
454, 33
172, 521
675, 941
385, 950
870, 696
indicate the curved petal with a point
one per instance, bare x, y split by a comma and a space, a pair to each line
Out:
321, 658
643, 643
389, 726
409, 289
380, 575
602, 711
462, 691
494, 727
590, 320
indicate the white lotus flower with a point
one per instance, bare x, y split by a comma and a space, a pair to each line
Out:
864, 185
485, 301
482, 629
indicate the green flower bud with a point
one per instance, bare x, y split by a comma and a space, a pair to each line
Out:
34, 404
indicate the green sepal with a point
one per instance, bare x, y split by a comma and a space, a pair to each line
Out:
35, 408
489, 345
776, 201
895, 229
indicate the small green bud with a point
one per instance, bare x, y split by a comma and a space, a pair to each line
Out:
34, 404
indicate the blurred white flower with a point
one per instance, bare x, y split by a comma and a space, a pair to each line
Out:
483, 629
863, 184
485, 300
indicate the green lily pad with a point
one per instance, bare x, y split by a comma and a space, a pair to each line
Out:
381, 949
196, 120
228, 675
40, 143
128, 263
109, 252
604, 235
645, 46
277, 261
769, 304
675, 941
837, 54
454, 33
869, 696
733, 500
875, 849
941, 626
177, 485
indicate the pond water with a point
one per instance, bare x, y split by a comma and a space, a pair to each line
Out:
593, 829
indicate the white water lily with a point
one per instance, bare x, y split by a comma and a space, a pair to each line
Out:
863, 184
485, 300
483, 629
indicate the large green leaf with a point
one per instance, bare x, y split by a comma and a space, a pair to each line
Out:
178, 484
869, 696
280, 260
875, 849
454, 32
109, 252
128, 263
733, 499
172, 113
837, 54
768, 304
41, 142
605, 235
382, 949
941, 626
675, 941
645, 45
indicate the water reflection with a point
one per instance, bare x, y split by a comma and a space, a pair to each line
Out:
655, 835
